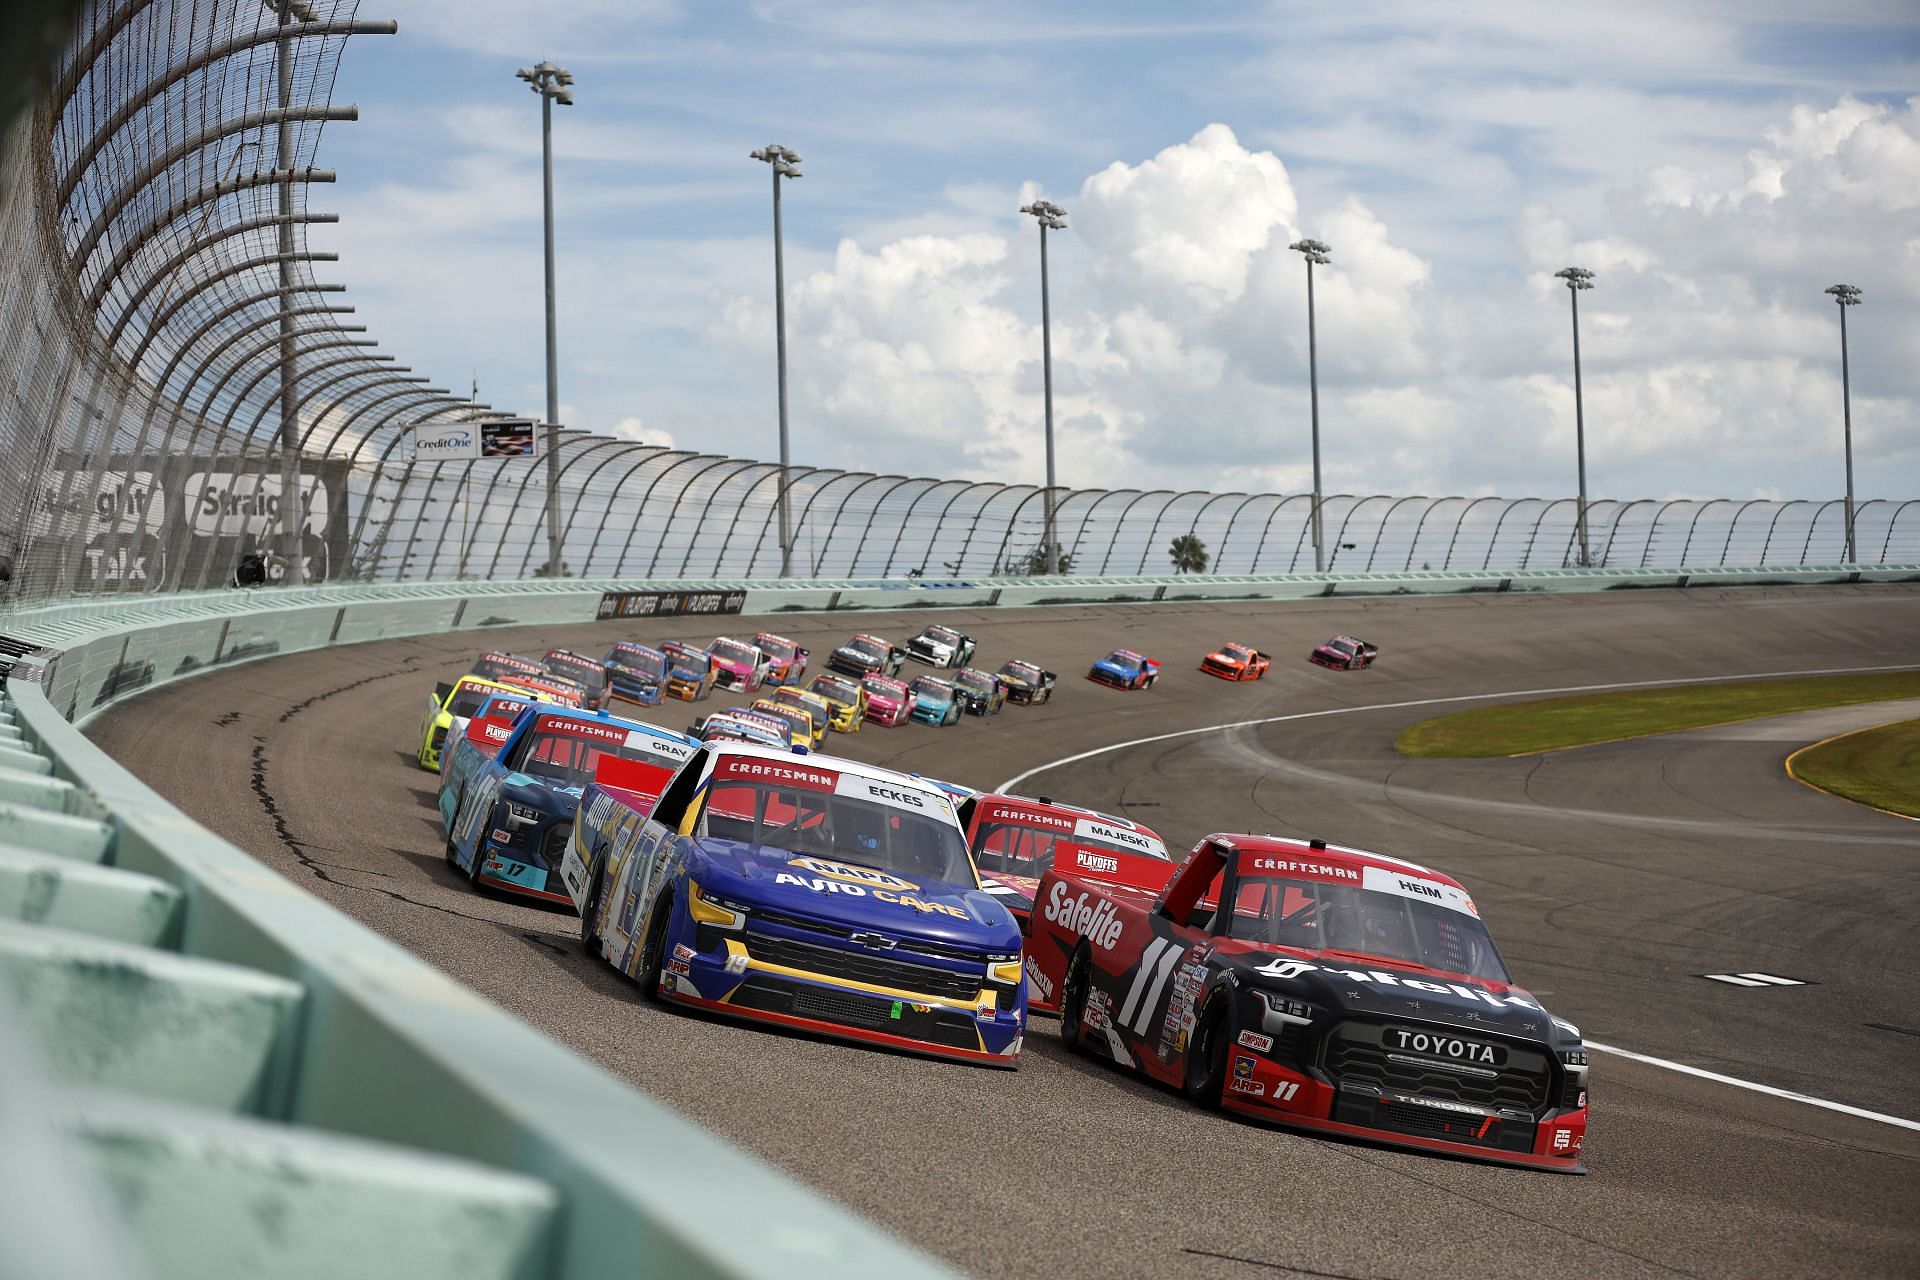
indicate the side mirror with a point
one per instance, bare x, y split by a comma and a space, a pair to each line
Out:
441, 690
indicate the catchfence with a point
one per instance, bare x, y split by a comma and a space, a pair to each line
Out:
179, 389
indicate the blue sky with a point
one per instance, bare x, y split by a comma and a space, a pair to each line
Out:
1716, 164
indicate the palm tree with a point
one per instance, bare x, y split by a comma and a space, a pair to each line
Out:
1189, 554
1034, 563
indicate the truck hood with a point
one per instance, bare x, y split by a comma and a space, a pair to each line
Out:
852, 895
1380, 989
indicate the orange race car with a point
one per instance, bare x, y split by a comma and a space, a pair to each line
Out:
1236, 662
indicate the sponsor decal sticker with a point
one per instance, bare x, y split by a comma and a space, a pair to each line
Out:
1038, 980
1251, 1087
1087, 861
1406, 885
1123, 837
1255, 1041
1295, 867
1242, 1067
896, 795
775, 771
1281, 968
1095, 920
866, 877
681, 951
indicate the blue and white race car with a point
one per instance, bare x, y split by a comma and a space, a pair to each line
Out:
816, 894
509, 791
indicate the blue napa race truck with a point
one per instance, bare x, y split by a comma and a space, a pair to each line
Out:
812, 893
509, 792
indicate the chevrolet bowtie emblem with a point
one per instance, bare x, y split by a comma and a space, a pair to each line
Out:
878, 941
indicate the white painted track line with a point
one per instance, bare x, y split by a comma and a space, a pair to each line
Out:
1768, 1089
1681, 1067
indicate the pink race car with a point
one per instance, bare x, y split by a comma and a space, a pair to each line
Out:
889, 701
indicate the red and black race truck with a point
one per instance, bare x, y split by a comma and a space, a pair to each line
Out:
1319, 988
1015, 839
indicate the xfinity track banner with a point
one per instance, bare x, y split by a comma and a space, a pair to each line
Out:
185, 522
665, 604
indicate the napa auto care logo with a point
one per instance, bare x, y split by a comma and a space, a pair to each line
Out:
866, 877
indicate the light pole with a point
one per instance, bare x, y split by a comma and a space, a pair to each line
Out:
553, 84
1317, 253
1847, 295
1579, 278
1051, 217
786, 164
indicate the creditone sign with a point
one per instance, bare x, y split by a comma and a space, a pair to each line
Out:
665, 604
449, 441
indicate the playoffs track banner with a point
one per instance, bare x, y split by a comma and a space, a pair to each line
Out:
181, 523
667, 604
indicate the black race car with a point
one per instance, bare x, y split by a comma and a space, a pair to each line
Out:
1344, 653
1026, 681
1317, 988
866, 655
979, 693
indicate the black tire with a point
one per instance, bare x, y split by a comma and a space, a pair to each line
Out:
1206, 1062
653, 947
589, 940
1073, 997
452, 854
1048, 695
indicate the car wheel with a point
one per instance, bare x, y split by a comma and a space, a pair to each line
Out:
1047, 696
1206, 1062
653, 947
953, 717
590, 941
479, 856
1073, 997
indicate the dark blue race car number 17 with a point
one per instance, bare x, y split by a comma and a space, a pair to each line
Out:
1438, 1044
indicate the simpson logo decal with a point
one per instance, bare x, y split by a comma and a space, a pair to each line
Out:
1039, 981
1406, 885
1095, 921
1255, 1041
1120, 837
774, 771
866, 877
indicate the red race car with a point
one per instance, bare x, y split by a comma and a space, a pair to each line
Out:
1317, 988
1344, 653
1015, 839
1236, 662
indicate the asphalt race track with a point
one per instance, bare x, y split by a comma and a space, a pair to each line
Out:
1612, 876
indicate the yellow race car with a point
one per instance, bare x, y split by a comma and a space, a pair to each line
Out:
845, 698
800, 720
458, 701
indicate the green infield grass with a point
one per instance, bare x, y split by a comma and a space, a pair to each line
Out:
1878, 767
1521, 728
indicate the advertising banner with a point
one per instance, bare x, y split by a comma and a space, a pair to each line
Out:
446, 441
507, 438
187, 521
665, 604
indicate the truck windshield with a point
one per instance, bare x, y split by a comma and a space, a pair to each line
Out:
889, 838
1313, 915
